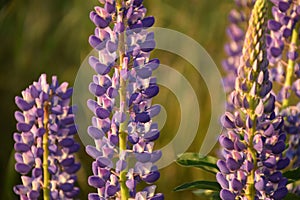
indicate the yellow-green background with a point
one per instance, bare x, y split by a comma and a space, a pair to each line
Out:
40, 36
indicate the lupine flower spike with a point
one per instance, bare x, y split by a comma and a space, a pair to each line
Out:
254, 141
283, 44
122, 127
44, 142
238, 19
284, 37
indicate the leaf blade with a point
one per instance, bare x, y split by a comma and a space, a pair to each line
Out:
207, 163
292, 174
292, 196
206, 185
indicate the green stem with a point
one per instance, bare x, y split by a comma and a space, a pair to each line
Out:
291, 64
250, 190
123, 141
257, 19
46, 174
122, 92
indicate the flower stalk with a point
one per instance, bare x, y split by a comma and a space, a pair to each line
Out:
250, 188
46, 192
122, 92
123, 139
291, 65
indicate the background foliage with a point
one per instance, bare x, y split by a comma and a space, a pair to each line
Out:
51, 37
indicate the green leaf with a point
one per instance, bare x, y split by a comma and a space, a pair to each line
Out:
207, 194
207, 185
292, 196
207, 163
293, 175
216, 196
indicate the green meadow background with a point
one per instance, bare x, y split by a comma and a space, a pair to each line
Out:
39, 36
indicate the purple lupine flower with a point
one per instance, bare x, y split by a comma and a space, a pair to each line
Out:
282, 46
296, 190
46, 125
253, 141
283, 43
122, 127
292, 127
238, 19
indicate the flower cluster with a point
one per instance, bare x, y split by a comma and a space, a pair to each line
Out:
282, 47
292, 127
238, 19
283, 37
254, 141
122, 127
45, 145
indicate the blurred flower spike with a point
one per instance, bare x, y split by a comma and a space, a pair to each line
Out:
44, 143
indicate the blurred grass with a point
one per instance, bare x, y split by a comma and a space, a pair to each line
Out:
51, 37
